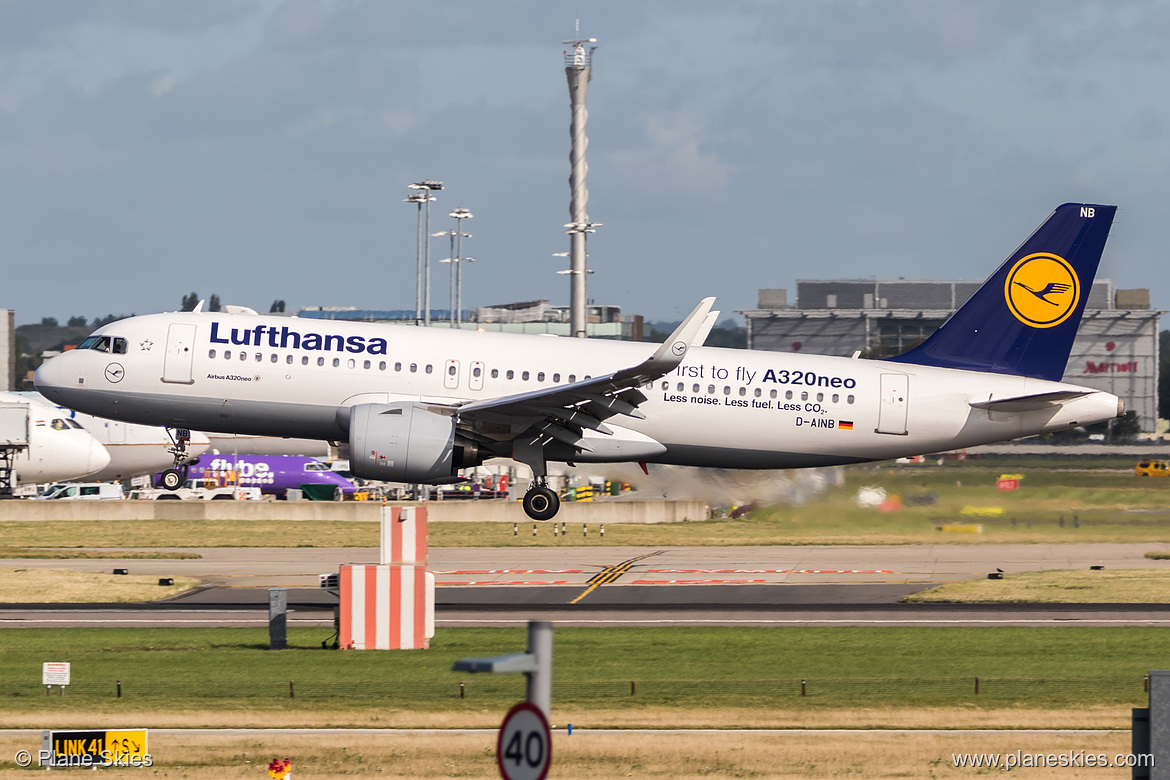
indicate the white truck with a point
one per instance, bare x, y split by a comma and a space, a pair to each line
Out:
83, 491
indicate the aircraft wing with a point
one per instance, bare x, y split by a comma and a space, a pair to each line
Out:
561, 413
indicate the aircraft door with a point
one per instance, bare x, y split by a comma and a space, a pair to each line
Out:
475, 381
180, 354
894, 402
451, 375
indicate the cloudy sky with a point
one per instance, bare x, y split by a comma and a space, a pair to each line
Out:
260, 149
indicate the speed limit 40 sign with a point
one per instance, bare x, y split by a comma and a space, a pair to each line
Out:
524, 745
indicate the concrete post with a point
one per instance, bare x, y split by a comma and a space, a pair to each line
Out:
277, 618
540, 645
1160, 724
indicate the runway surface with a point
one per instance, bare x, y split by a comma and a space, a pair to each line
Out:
596, 586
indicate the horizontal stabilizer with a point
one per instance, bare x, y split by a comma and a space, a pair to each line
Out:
1028, 403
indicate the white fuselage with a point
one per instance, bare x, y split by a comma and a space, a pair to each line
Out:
729, 408
56, 450
134, 450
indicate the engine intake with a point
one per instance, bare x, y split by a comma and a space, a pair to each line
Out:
403, 442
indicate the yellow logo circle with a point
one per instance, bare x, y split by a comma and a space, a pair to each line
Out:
1042, 290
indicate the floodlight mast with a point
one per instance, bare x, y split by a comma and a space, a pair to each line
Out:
579, 71
429, 185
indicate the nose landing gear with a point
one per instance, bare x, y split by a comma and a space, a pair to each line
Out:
173, 478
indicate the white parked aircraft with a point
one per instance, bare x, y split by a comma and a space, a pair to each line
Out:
134, 450
417, 405
58, 449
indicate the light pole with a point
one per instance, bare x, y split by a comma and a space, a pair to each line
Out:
450, 259
459, 215
420, 198
430, 185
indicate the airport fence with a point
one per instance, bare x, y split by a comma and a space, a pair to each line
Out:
499, 689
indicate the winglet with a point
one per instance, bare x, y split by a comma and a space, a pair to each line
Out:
667, 357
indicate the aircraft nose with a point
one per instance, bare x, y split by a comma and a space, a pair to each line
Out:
98, 456
49, 376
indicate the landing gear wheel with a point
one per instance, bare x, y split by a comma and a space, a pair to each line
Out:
172, 479
541, 503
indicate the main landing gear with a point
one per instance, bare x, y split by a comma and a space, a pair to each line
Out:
173, 478
541, 502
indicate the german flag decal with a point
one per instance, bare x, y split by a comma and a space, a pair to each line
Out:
844, 425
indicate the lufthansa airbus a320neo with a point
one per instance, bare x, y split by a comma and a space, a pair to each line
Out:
417, 405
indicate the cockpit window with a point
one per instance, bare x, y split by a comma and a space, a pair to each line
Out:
316, 467
117, 345
58, 424
74, 424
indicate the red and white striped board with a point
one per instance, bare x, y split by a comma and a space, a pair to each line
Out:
385, 607
404, 535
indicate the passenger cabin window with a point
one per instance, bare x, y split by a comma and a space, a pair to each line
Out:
211, 353
511, 374
524, 376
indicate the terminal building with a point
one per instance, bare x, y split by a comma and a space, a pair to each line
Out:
1116, 348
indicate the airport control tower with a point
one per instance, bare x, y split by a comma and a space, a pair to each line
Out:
579, 70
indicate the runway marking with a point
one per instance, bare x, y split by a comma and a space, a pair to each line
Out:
611, 573
504, 582
512, 571
696, 582
771, 571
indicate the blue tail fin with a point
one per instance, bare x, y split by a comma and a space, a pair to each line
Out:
1024, 318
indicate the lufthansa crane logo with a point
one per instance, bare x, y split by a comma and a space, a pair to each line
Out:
1042, 290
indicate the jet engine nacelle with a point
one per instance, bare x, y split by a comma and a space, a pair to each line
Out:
402, 442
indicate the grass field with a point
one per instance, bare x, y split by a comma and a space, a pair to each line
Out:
195, 756
1051, 506
30, 586
201, 676
1129, 586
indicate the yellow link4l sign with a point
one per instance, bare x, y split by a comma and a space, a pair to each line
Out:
106, 747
